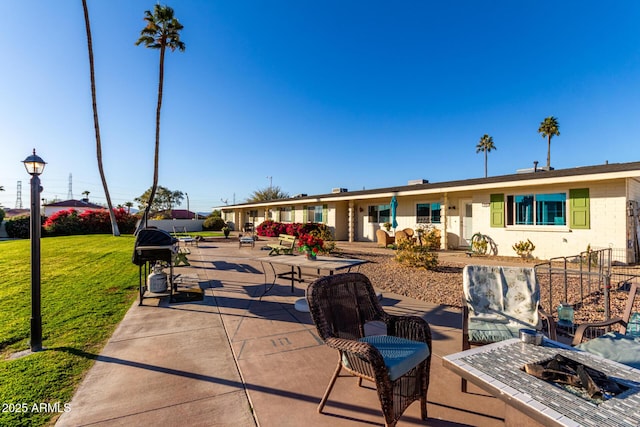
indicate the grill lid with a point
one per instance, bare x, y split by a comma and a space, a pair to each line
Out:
154, 237
157, 244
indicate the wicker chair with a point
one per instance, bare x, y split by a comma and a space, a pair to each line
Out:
400, 236
398, 362
384, 239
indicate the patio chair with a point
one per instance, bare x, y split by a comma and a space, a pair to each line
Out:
409, 232
384, 239
400, 236
497, 303
398, 363
184, 236
622, 345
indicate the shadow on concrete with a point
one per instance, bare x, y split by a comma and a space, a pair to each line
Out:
254, 387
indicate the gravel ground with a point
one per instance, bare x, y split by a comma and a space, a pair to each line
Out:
444, 284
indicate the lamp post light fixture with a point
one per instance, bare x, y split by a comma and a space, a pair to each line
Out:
35, 165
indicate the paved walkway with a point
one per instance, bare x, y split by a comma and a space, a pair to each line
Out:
232, 360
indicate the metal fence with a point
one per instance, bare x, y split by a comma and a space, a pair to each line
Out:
591, 279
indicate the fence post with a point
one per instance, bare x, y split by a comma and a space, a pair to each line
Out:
607, 289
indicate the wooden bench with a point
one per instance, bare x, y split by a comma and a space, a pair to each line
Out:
284, 246
181, 256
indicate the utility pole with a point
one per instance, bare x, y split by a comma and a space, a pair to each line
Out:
70, 192
270, 178
19, 196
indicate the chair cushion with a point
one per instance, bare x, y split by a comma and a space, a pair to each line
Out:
485, 332
615, 346
633, 325
522, 294
483, 289
400, 354
503, 295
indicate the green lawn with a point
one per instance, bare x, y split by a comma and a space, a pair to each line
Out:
88, 284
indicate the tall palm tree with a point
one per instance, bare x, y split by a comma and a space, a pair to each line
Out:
549, 128
485, 145
161, 32
114, 224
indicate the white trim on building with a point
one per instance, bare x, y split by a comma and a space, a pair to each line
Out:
549, 207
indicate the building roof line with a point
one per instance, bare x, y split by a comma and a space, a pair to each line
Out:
541, 176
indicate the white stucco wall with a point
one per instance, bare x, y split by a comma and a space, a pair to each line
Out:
179, 224
607, 223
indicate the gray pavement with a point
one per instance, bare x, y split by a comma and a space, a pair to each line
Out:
232, 359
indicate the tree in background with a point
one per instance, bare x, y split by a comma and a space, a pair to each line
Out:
485, 145
549, 128
96, 125
164, 200
161, 32
272, 192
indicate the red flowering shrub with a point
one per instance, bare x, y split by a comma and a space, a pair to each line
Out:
316, 230
63, 223
70, 222
271, 228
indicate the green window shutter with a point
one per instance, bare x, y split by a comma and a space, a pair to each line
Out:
579, 208
325, 213
497, 210
304, 214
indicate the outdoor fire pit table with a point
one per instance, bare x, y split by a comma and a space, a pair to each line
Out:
498, 369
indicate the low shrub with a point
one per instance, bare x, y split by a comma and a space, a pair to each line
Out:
70, 222
213, 223
429, 236
270, 228
413, 255
524, 249
19, 227
64, 223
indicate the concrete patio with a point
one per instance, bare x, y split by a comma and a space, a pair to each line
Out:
234, 360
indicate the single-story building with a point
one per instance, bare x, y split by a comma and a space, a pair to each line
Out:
78, 205
561, 211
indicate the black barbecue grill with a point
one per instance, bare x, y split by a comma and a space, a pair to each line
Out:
152, 246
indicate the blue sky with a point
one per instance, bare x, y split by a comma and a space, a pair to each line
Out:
316, 95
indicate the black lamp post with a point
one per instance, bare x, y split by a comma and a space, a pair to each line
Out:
35, 165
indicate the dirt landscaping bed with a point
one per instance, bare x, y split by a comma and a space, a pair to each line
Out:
443, 285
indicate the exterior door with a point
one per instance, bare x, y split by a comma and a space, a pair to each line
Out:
467, 224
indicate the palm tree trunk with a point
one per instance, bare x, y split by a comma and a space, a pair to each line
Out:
96, 125
485, 163
549, 152
154, 186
